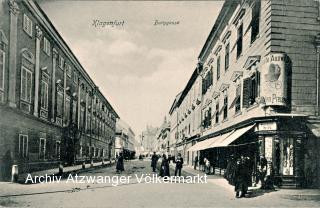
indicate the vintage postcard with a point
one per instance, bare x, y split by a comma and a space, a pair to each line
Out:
113, 103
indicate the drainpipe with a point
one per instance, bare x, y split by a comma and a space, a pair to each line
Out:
317, 42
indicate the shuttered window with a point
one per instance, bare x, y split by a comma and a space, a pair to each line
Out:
2, 68
26, 84
239, 40
27, 25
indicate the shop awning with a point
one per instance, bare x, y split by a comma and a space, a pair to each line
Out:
201, 145
219, 139
233, 136
315, 128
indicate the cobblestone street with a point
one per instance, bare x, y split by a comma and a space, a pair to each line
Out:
135, 194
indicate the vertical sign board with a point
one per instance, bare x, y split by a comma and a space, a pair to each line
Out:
274, 80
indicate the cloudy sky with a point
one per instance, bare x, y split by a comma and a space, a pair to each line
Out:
139, 67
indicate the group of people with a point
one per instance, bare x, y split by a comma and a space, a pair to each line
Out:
164, 166
238, 173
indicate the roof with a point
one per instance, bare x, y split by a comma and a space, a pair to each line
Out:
174, 104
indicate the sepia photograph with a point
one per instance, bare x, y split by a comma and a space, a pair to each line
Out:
159, 103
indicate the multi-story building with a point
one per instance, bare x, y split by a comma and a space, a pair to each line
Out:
163, 138
259, 95
125, 138
51, 110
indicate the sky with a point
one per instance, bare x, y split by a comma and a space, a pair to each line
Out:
140, 67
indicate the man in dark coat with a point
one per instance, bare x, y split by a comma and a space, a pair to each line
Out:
164, 170
242, 177
195, 162
179, 163
120, 166
154, 160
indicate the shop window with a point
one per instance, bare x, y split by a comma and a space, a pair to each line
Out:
46, 46
23, 145
42, 148
227, 57
239, 40
26, 84
2, 68
27, 25
255, 13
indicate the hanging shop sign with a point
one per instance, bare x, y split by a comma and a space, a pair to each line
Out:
267, 126
274, 80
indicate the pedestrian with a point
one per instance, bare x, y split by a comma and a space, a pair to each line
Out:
179, 164
154, 160
242, 177
195, 162
207, 165
164, 171
120, 165
262, 171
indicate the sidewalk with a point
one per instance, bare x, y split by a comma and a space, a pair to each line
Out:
219, 180
66, 170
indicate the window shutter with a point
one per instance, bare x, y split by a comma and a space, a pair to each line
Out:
246, 92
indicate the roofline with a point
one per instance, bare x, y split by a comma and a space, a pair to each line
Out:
47, 24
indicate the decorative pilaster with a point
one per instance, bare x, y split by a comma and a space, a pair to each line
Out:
78, 103
53, 83
14, 12
64, 93
86, 111
317, 44
37, 71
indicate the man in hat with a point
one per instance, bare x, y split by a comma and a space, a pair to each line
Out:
179, 163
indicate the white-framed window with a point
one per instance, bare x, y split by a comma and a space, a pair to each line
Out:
2, 68
23, 145
61, 62
68, 68
57, 149
44, 95
26, 84
27, 25
46, 46
42, 148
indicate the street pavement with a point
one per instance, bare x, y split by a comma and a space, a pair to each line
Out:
215, 193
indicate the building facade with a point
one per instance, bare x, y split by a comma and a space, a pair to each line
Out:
124, 140
148, 139
51, 110
163, 138
257, 85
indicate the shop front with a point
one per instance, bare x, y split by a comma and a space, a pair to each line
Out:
281, 143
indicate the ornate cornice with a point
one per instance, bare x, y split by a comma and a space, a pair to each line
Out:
14, 7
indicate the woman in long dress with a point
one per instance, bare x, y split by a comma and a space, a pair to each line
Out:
164, 171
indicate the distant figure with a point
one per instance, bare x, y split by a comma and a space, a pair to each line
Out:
164, 170
207, 165
195, 162
263, 171
179, 163
154, 160
120, 166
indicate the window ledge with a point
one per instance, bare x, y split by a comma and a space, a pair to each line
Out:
253, 106
239, 113
225, 120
